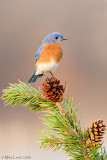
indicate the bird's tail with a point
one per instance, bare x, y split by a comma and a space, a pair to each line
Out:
33, 78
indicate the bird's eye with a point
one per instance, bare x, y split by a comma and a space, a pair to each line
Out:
56, 37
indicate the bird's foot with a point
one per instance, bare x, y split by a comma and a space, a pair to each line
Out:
53, 77
51, 74
47, 79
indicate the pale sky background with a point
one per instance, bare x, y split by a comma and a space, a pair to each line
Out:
23, 25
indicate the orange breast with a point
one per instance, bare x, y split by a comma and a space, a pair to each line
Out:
50, 52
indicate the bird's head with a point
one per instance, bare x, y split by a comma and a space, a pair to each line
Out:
53, 38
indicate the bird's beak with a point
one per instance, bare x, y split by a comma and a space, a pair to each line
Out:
63, 39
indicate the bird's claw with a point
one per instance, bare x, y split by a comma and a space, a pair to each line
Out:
47, 79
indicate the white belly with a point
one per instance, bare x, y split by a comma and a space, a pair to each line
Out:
46, 67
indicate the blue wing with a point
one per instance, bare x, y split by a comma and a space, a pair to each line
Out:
38, 52
34, 77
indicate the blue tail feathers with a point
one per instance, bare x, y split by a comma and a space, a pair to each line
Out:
33, 78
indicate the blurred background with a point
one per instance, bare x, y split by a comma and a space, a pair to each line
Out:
23, 25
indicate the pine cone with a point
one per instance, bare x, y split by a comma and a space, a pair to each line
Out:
95, 133
52, 89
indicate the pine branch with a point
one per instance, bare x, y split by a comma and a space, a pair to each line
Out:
62, 124
63, 129
21, 93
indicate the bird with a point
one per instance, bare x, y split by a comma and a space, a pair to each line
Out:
48, 55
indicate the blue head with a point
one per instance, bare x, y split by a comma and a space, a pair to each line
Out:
53, 38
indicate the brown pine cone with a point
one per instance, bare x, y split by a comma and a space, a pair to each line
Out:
95, 133
53, 90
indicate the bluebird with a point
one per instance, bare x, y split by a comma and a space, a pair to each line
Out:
48, 55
